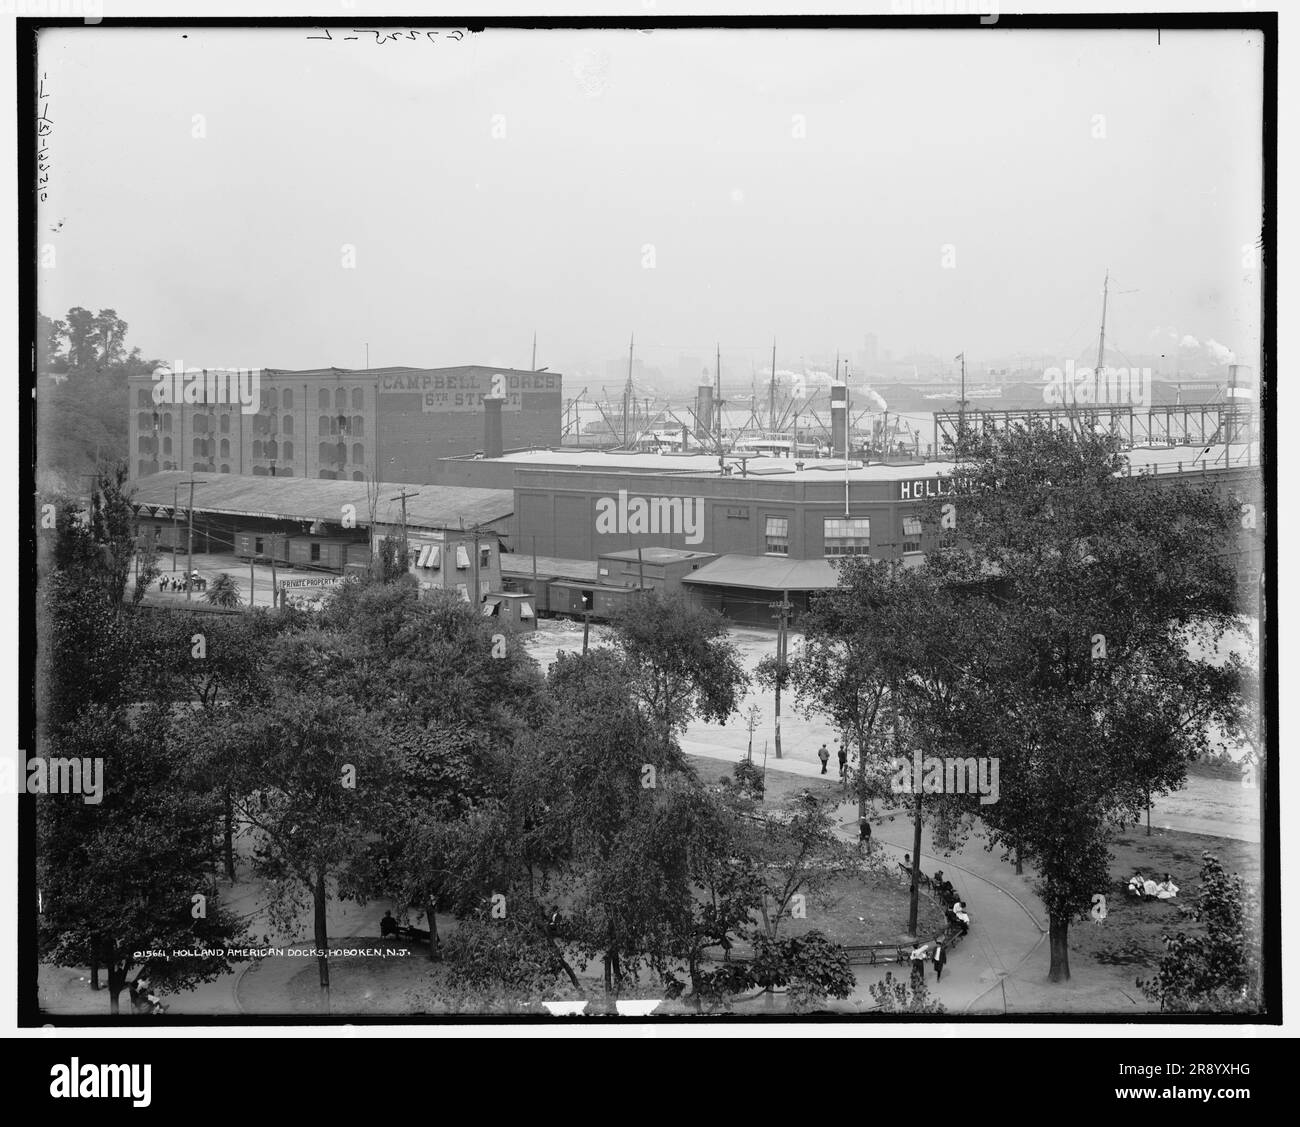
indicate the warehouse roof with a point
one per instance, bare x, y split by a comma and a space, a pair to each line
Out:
302, 498
521, 563
1157, 459
767, 573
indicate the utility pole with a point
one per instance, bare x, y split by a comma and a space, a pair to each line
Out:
367, 356
961, 406
275, 588
782, 616
176, 535
402, 497
189, 547
627, 391
534, 367
771, 392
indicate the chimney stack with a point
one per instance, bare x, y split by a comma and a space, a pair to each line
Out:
840, 419
492, 441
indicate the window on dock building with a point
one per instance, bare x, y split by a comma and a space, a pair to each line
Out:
846, 536
911, 534
777, 540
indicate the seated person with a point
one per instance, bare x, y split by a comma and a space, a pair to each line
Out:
961, 915
1166, 889
388, 926
1137, 886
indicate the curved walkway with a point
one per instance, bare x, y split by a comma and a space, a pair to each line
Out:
1007, 920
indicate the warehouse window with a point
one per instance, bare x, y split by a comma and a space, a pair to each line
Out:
435, 558
288, 425
358, 426
288, 399
911, 534
357, 475
315, 553
257, 546
324, 399
257, 448
358, 398
225, 424
143, 398
777, 539
340, 399
167, 421
485, 557
167, 445
847, 537
225, 469
225, 448
358, 452
462, 557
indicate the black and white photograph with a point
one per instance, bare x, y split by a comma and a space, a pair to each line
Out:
557, 522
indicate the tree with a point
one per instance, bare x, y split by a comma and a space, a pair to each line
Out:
1089, 696
810, 967
1217, 971
128, 874
83, 369
800, 857
308, 775
894, 658
223, 591
680, 661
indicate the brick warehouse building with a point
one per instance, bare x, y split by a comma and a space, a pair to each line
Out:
742, 538
343, 424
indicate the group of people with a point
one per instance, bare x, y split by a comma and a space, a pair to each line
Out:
841, 753
922, 954
955, 909
182, 583
143, 1000
1144, 888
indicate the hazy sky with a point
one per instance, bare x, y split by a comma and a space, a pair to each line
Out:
802, 185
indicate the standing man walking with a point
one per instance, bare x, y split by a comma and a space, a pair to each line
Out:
842, 753
940, 958
824, 756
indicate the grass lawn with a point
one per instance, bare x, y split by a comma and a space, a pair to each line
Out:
1130, 934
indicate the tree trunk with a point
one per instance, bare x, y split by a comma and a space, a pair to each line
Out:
609, 977
1020, 869
229, 843
915, 898
1058, 935
430, 910
116, 983
322, 939
94, 962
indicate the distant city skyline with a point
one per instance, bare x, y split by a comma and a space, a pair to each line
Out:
441, 203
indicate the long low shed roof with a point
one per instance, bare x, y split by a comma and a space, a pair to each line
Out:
766, 573
301, 498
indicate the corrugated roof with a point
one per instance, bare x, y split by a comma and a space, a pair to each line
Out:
301, 498
521, 564
767, 573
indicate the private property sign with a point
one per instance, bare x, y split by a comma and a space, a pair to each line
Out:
318, 581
